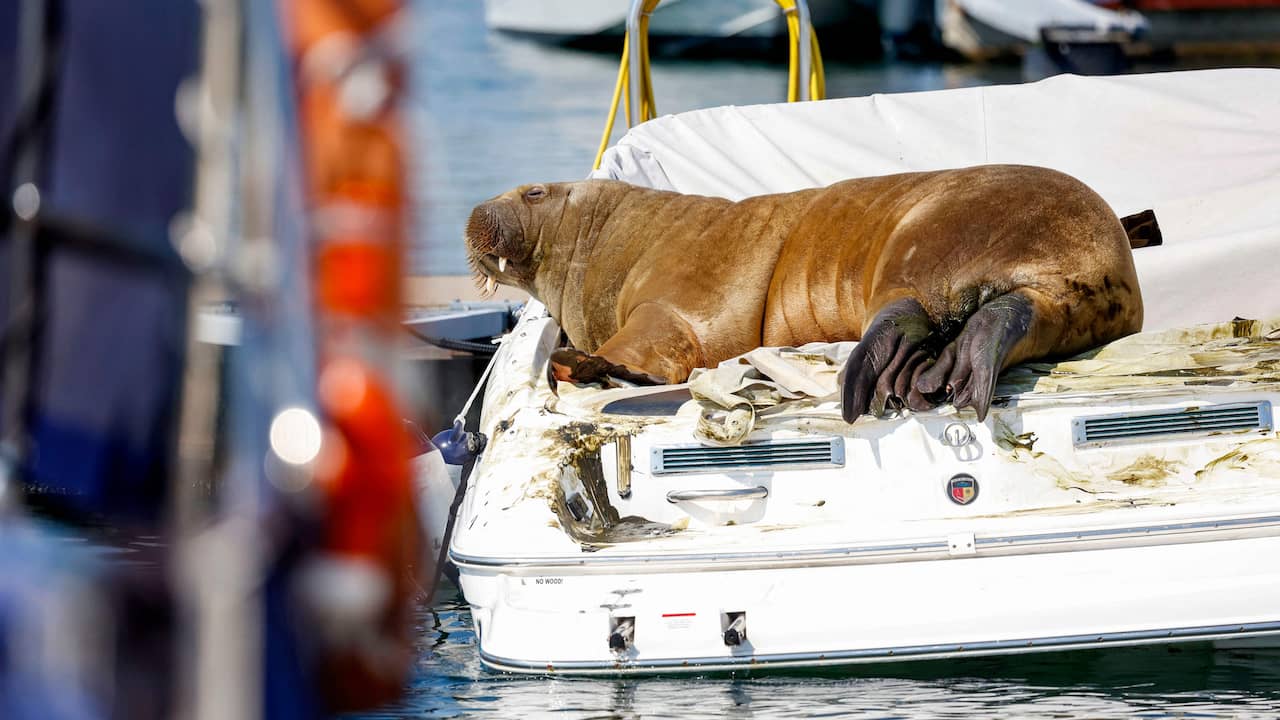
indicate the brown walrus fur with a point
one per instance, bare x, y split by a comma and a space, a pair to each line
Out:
947, 277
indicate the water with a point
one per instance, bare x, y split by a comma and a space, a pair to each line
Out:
493, 112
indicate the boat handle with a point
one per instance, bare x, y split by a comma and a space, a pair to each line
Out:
758, 492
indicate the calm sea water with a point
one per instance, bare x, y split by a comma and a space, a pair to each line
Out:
492, 112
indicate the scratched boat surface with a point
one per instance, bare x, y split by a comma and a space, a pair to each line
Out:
1118, 498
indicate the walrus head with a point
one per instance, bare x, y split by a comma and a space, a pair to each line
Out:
504, 234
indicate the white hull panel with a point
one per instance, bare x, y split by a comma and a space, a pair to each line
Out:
812, 616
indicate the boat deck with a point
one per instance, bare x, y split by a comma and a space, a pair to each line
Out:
886, 495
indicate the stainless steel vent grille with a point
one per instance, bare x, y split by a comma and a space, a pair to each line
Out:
755, 456
1172, 424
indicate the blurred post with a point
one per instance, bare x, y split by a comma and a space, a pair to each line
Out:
349, 79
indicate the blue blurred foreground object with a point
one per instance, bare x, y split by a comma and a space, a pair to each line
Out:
176, 566
49, 612
93, 298
94, 145
85, 627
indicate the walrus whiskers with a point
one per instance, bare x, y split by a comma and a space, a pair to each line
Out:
482, 233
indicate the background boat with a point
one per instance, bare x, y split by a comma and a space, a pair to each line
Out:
686, 27
985, 29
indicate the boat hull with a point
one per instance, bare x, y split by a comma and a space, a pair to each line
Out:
557, 619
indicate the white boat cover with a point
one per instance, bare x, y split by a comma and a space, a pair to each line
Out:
1202, 148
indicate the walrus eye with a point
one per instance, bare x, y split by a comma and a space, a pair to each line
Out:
535, 192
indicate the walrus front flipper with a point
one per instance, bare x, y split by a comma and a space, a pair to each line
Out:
572, 365
890, 353
967, 368
654, 346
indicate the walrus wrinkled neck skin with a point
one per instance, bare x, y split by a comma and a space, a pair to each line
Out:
636, 274
563, 254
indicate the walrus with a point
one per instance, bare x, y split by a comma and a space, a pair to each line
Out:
946, 278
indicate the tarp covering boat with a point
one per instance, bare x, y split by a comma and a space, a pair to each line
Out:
1200, 148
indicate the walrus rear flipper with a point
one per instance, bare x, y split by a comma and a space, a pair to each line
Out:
967, 368
1142, 229
892, 350
895, 362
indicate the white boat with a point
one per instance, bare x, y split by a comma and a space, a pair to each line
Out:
1130, 496
986, 28
981, 29
585, 21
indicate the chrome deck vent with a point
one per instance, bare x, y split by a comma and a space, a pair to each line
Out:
673, 459
1177, 424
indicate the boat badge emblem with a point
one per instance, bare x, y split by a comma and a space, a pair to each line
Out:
962, 489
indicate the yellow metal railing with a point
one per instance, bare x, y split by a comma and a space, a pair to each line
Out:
805, 62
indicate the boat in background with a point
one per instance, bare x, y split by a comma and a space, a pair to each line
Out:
983, 29
686, 27
1107, 32
1051, 36
1211, 27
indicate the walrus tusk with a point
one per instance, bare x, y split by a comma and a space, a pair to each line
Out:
502, 264
490, 285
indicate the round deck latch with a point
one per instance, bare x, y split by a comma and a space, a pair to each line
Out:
957, 435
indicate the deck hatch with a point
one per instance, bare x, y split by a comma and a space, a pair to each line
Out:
1175, 424
674, 459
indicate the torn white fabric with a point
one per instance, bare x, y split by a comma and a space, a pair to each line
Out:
733, 393
737, 391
